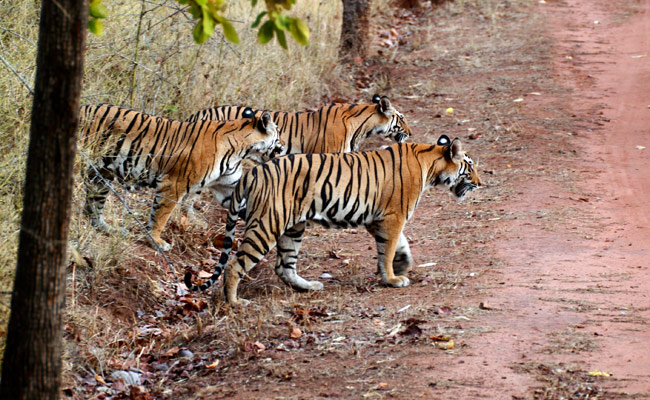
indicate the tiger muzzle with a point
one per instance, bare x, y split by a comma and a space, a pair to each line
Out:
277, 150
463, 187
400, 137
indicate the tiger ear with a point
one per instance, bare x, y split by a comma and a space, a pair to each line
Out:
443, 140
385, 107
263, 123
376, 98
455, 151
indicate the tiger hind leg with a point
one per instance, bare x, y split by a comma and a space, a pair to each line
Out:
96, 193
285, 267
255, 245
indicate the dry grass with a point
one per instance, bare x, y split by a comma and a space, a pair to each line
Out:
561, 381
160, 71
569, 341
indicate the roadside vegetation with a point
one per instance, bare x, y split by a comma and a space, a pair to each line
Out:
147, 59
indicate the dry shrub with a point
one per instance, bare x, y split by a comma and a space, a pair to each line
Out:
145, 60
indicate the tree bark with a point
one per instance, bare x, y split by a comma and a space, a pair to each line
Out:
32, 361
354, 30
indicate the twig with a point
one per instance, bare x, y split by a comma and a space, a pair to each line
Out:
135, 54
148, 69
74, 278
12, 69
18, 35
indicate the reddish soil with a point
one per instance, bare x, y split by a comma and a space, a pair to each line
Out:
540, 278
586, 279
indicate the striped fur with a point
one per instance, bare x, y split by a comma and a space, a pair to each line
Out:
378, 190
334, 128
173, 157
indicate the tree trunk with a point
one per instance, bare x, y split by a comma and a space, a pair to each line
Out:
32, 361
354, 30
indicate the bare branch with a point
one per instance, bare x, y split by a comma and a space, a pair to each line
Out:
12, 69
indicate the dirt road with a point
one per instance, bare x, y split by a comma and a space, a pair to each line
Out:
577, 292
542, 281
537, 287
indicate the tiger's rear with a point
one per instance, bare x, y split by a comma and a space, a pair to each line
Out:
377, 190
173, 157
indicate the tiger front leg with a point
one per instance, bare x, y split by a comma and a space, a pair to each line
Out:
387, 235
285, 267
164, 203
403, 260
188, 209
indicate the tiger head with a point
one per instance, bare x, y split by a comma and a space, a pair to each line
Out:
455, 169
394, 124
268, 145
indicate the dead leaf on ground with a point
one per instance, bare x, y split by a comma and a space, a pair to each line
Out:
191, 305
599, 373
303, 316
204, 274
446, 345
335, 254
172, 352
218, 242
295, 333
208, 262
136, 393
444, 310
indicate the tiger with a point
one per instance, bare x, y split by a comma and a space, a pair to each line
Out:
378, 190
174, 158
335, 128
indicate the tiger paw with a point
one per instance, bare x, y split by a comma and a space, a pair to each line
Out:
164, 246
315, 285
195, 221
398, 281
239, 302
101, 226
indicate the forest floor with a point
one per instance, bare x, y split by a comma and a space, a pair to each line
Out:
536, 287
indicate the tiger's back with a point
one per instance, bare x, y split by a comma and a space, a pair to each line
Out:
335, 190
334, 128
